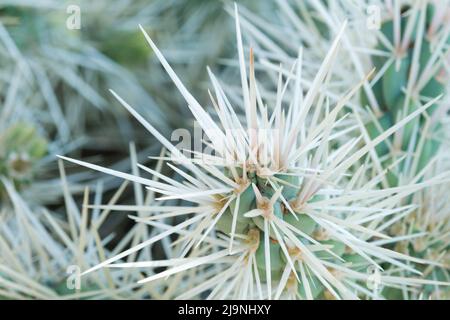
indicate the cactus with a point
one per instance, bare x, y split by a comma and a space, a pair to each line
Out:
316, 178
399, 91
264, 206
20, 148
47, 270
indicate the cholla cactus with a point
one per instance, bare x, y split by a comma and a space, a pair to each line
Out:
274, 209
414, 38
319, 180
41, 252
425, 234
20, 148
410, 53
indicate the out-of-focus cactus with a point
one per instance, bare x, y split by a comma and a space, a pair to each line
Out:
414, 73
293, 205
410, 54
126, 48
21, 147
68, 73
425, 234
271, 202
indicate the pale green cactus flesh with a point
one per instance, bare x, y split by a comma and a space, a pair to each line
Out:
299, 220
390, 93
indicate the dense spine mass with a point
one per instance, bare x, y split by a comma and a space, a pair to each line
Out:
321, 170
293, 214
